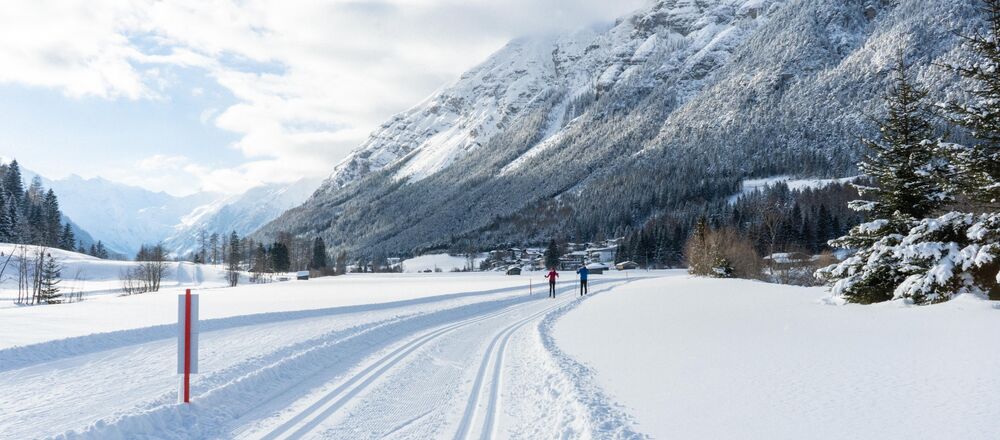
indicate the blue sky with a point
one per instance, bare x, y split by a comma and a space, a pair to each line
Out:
192, 95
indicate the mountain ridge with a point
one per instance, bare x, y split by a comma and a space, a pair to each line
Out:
670, 108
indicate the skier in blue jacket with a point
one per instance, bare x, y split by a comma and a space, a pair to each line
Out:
583, 271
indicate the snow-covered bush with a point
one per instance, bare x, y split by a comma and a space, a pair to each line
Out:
952, 254
723, 268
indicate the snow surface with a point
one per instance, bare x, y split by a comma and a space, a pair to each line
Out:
459, 355
751, 186
700, 358
332, 364
444, 262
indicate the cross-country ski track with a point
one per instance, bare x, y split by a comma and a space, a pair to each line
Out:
472, 365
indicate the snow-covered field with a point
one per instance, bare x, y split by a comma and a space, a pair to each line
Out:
438, 263
460, 355
700, 358
95, 277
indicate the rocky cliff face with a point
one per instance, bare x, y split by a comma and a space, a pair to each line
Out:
587, 134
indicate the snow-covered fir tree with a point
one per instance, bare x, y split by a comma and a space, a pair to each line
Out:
959, 252
902, 161
977, 165
933, 259
907, 188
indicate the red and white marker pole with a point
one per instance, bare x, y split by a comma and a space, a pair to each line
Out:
187, 342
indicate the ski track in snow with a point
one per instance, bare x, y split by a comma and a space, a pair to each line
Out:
608, 420
331, 373
27, 355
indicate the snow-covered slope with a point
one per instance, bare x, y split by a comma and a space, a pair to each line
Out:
242, 213
486, 100
750, 186
592, 132
90, 276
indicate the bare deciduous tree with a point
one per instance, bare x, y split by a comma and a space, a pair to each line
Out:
150, 269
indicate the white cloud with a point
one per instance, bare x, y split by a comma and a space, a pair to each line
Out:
311, 77
159, 162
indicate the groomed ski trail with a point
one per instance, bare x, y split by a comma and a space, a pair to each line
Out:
367, 405
428, 369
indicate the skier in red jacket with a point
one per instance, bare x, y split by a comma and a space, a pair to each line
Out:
552, 275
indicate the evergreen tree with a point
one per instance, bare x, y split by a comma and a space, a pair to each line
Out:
6, 229
233, 262
49, 278
824, 226
795, 233
100, 251
280, 259
319, 254
902, 162
35, 226
906, 189
977, 166
35, 192
15, 220
260, 261
52, 220
67, 239
552, 255
13, 184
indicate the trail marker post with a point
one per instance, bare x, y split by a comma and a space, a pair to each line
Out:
187, 342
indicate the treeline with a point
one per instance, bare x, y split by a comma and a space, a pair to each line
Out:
774, 219
31, 216
263, 259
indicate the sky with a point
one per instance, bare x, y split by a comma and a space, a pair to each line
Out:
222, 95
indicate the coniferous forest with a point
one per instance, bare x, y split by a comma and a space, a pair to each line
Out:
31, 215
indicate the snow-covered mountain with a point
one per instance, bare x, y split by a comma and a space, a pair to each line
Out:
670, 107
242, 213
125, 217
691, 37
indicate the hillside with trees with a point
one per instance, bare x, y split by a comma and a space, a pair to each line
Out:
659, 116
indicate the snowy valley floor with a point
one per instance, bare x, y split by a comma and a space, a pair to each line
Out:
419, 356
